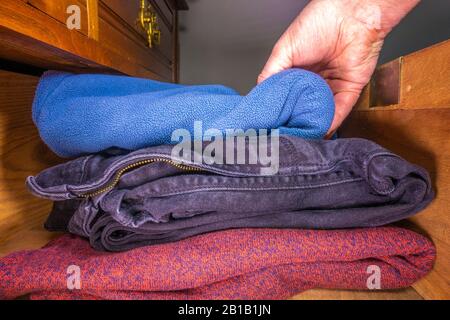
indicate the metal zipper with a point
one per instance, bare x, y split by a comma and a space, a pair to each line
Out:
135, 165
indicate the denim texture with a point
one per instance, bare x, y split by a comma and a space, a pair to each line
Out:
345, 183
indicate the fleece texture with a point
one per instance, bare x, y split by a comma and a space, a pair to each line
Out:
320, 184
83, 114
233, 264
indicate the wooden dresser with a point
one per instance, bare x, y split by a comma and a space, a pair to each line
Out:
134, 37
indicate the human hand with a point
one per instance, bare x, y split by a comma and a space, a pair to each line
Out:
340, 40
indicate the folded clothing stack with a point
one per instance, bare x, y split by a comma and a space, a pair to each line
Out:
232, 264
183, 229
319, 185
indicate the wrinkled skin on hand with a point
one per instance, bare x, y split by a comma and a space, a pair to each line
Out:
341, 40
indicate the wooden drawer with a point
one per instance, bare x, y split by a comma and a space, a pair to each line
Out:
110, 40
118, 35
58, 10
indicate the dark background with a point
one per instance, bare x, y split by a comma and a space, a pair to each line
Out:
229, 41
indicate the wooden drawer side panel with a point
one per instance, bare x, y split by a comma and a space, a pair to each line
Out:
22, 154
424, 81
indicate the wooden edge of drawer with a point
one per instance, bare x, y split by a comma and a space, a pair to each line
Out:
177, 5
164, 12
421, 81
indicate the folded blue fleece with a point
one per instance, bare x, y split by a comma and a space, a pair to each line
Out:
82, 114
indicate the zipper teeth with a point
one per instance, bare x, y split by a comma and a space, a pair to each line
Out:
135, 165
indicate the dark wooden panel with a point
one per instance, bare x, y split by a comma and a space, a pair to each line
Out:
178, 4
164, 11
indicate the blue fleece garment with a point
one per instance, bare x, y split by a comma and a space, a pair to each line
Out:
83, 114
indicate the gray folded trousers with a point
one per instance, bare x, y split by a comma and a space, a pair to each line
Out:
122, 200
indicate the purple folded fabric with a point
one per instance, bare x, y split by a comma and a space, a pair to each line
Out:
320, 185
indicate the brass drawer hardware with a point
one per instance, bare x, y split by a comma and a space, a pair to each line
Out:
149, 22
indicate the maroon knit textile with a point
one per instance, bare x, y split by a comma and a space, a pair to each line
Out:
233, 264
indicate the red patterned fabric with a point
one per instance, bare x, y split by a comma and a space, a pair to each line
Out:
233, 264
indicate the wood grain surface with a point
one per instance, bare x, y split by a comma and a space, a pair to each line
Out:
21, 154
322, 294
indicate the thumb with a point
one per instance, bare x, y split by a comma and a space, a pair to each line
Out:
344, 104
279, 60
